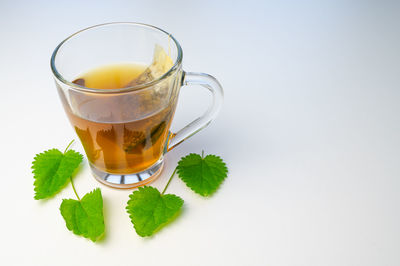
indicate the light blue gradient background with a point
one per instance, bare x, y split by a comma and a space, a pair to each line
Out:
310, 131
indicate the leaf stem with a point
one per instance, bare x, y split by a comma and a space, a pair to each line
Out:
202, 154
162, 193
72, 183
72, 141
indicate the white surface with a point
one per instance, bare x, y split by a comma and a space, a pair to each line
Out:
310, 130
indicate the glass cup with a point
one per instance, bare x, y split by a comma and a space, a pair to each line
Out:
125, 131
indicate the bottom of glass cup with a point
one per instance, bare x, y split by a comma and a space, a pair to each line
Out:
129, 180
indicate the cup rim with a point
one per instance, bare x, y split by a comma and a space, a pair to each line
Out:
143, 86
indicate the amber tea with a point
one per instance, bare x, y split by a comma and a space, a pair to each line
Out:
120, 147
121, 110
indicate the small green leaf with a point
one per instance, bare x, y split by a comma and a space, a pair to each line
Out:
85, 217
52, 170
149, 210
202, 175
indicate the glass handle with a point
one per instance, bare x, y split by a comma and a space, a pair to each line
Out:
210, 83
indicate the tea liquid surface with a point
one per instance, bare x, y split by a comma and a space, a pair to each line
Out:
121, 147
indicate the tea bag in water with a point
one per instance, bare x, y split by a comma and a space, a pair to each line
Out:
160, 65
136, 141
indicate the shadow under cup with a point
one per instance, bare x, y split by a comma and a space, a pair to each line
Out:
125, 131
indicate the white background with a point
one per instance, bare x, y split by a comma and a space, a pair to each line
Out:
309, 129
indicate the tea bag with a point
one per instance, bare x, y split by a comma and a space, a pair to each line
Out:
160, 65
148, 101
135, 141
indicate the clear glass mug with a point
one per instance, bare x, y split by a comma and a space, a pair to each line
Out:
125, 131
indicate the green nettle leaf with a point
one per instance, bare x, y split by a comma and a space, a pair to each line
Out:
202, 174
52, 170
85, 217
149, 210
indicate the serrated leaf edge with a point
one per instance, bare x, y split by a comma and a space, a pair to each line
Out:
161, 196
211, 192
34, 171
85, 235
